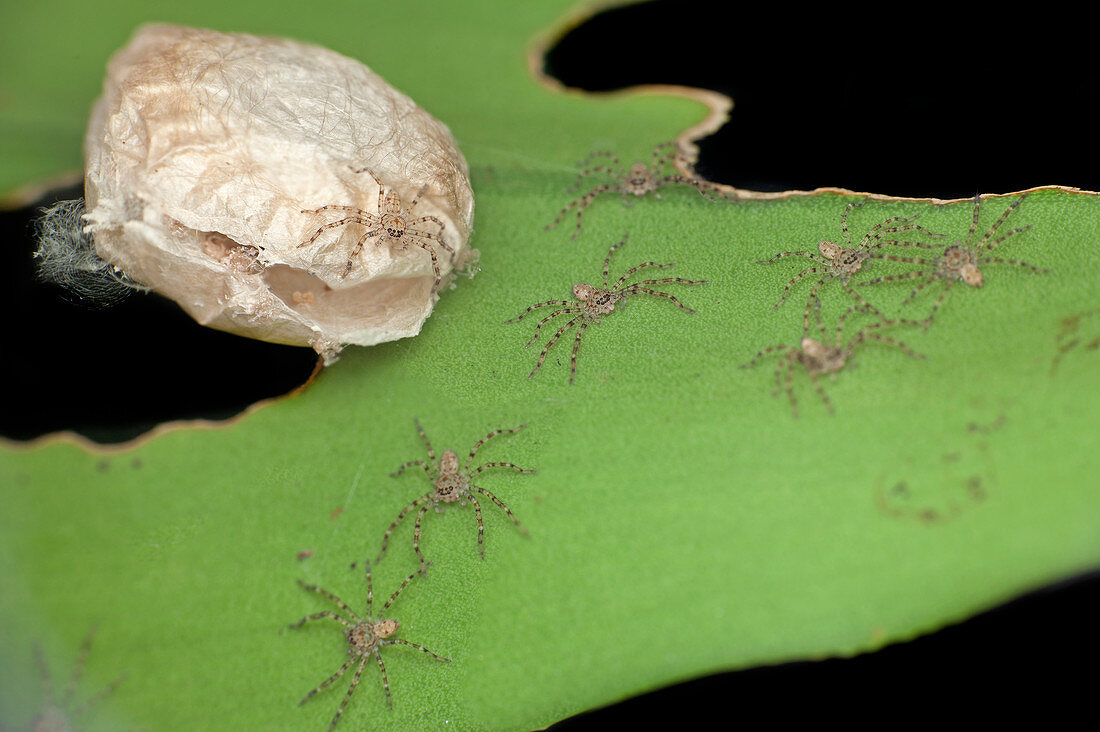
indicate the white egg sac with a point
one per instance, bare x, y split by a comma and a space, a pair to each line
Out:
208, 155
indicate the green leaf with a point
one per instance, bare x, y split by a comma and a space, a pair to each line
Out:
682, 521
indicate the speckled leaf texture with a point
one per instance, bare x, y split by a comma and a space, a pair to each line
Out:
681, 520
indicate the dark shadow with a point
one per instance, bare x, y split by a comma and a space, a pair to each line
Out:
895, 99
112, 374
1033, 655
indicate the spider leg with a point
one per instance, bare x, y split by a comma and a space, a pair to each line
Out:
96, 698
501, 505
844, 219
421, 570
576, 345
761, 354
514, 467
581, 204
923, 285
607, 259
330, 597
592, 171
386, 537
700, 185
632, 270
634, 289
921, 244
894, 278
996, 242
410, 464
867, 332
550, 344
333, 225
812, 255
820, 322
425, 440
78, 668
1004, 216
523, 315
416, 535
1018, 263
974, 220
788, 384
370, 588
895, 342
351, 690
327, 682
939, 300
491, 435
600, 154
809, 303
480, 527
551, 316
385, 680
659, 160
381, 188
820, 391
434, 237
359, 213
422, 649
668, 280
433, 219
844, 319
322, 614
906, 260
860, 298
883, 227
435, 262
358, 248
416, 200
794, 280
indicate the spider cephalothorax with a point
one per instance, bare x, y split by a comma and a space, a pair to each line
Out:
594, 302
638, 180
960, 261
597, 301
393, 224
366, 637
840, 262
451, 483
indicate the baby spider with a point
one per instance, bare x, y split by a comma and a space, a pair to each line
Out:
639, 180
841, 262
392, 223
817, 357
451, 482
61, 714
366, 637
959, 261
594, 302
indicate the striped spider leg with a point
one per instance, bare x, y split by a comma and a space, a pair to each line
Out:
452, 482
959, 261
63, 713
819, 357
392, 225
637, 180
592, 303
833, 261
366, 636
